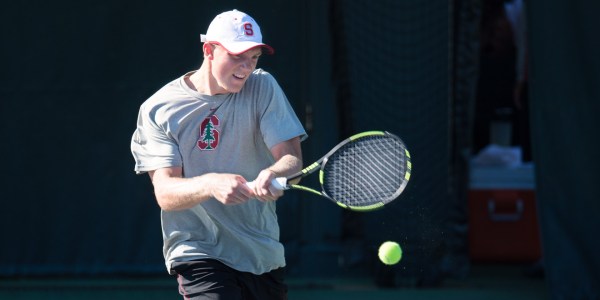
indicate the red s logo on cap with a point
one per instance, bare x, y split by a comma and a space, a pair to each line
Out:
248, 29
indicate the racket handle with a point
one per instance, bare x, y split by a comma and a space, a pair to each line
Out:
278, 183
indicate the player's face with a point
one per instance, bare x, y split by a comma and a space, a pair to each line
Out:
232, 71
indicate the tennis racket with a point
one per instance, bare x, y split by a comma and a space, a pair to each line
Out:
362, 173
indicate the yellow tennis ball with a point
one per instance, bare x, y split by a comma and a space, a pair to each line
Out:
390, 253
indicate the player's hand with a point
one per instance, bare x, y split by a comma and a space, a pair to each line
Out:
263, 189
230, 189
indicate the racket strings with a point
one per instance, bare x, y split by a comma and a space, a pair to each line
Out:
367, 171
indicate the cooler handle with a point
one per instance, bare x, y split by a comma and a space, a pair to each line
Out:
505, 217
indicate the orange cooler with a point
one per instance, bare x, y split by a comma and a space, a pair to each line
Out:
503, 223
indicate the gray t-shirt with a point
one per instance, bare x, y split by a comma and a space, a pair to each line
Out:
230, 133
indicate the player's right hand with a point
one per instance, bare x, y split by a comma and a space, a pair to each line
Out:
230, 189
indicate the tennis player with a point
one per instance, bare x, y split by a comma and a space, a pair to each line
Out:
201, 138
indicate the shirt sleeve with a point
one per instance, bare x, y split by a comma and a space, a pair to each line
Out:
151, 146
278, 121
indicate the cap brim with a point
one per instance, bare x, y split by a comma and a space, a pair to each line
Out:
241, 47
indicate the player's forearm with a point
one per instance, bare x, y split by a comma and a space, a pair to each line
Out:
288, 158
182, 193
287, 165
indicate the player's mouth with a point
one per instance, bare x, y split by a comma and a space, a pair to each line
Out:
239, 76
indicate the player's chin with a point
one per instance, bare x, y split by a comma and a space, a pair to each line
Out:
236, 85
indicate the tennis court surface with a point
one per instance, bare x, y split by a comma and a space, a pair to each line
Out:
487, 282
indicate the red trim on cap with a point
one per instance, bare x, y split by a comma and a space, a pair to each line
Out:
270, 49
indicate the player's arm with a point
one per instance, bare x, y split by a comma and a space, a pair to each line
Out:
173, 192
288, 160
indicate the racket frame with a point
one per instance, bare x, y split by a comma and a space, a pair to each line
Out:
320, 164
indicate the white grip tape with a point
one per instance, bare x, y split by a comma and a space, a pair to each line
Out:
277, 183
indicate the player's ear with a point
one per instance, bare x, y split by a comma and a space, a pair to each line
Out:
208, 50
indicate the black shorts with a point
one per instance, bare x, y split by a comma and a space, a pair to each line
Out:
211, 279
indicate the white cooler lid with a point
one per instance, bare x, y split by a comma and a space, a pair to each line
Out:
498, 177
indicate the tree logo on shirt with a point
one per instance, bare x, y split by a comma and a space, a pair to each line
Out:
209, 135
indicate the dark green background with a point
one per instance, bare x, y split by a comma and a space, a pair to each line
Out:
74, 73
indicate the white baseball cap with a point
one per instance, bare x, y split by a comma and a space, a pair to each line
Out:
235, 31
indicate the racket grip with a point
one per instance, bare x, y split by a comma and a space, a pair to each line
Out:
278, 183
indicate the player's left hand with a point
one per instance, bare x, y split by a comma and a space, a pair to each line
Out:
263, 188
